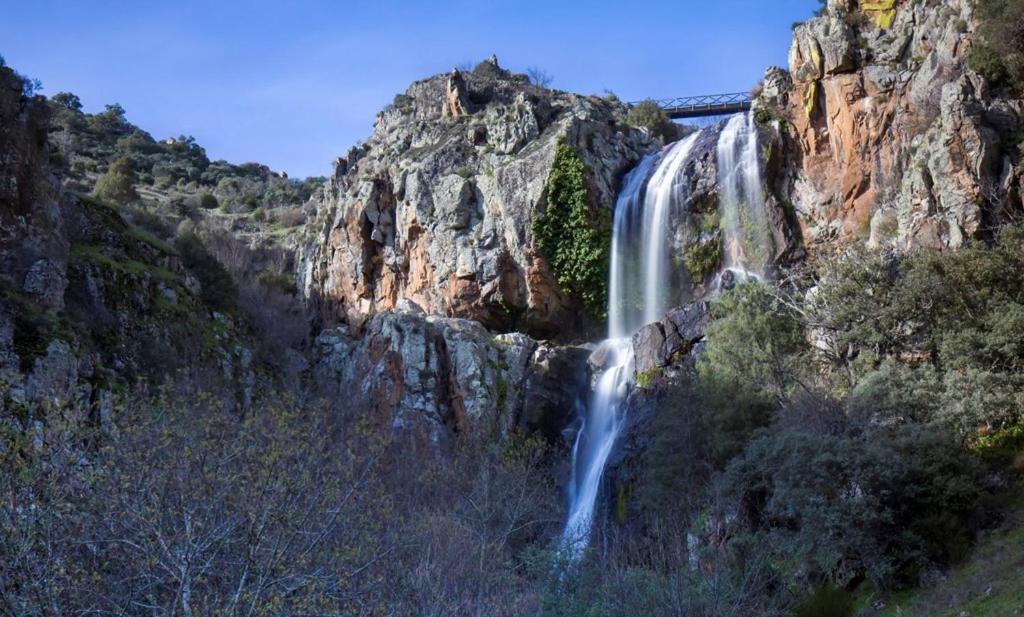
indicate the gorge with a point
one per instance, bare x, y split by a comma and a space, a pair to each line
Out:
532, 352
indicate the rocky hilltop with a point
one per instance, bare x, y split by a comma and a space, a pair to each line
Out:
435, 208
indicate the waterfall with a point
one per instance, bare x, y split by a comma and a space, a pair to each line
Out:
640, 285
638, 293
746, 245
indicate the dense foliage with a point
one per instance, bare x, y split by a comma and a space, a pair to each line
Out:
840, 438
574, 234
999, 55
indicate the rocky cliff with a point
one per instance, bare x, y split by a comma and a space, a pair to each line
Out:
435, 208
894, 139
90, 304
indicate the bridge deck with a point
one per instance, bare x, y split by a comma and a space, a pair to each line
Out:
703, 106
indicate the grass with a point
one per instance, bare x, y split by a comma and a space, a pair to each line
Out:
110, 216
123, 265
990, 583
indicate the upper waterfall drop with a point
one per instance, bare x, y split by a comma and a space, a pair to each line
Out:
639, 288
746, 243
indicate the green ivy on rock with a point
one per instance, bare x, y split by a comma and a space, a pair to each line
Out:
572, 235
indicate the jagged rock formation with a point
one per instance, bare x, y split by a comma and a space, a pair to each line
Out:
895, 141
434, 379
435, 208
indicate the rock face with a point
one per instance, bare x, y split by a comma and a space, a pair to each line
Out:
435, 208
434, 379
895, 141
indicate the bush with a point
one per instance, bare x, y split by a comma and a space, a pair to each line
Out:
755, 338
574, 234
999, 55
208, 201
827, 601
850, 500
988, 63
218, 289
117, 185
647, 115
954, 359
702, 258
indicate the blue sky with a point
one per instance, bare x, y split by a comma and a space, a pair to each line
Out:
294, 84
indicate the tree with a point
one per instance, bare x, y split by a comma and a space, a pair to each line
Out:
539, 77
67, 100
118, 184
755, 340
112, 120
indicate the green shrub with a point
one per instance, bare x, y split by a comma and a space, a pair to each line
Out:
218, 289
574, 234
838, 501
988, 63
702, 258
754, 338
117, 185
955, 359
826, 601
207, 200
647, 115
999, 55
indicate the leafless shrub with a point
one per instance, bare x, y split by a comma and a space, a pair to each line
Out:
539, 77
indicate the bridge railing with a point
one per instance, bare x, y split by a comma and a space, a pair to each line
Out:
704, 106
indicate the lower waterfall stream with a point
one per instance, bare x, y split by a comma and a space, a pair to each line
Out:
640, 289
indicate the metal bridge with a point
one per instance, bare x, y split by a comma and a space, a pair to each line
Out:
703, 106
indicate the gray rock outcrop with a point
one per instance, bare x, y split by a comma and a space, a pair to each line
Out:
436, 206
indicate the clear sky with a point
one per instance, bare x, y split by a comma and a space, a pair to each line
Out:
294, 84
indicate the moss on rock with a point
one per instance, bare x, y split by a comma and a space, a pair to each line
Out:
573, 234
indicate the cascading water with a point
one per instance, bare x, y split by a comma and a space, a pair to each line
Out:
638, 293
746, 245
640, 289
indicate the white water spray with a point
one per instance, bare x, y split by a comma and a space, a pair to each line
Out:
638, 293
746, 245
